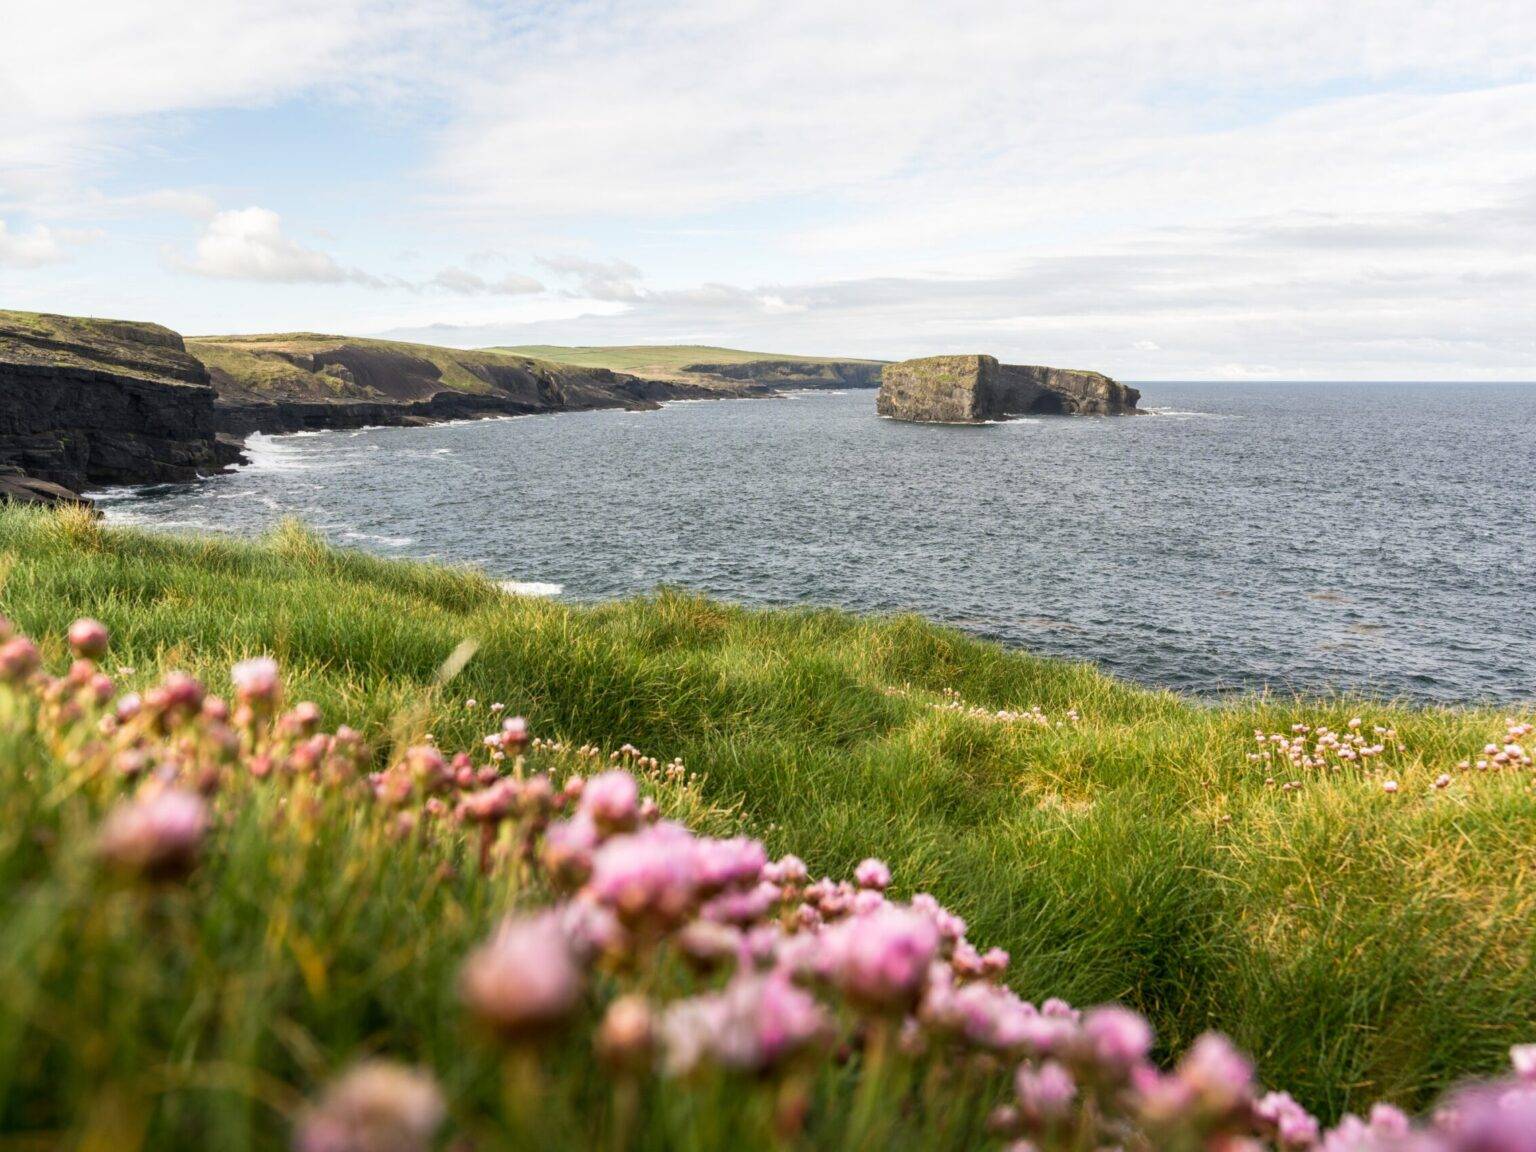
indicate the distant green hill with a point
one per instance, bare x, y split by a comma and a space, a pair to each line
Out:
705, 363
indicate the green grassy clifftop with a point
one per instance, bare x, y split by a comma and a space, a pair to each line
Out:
1360, 940
147, 351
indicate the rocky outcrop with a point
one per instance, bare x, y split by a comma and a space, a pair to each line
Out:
974, 389
796, 373
16, 487
92, 403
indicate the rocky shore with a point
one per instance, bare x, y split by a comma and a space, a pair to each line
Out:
87, 403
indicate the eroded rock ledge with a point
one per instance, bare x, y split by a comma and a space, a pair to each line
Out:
975, 389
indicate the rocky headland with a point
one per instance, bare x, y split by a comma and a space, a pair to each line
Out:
976, 389
795, 374
728, 370
88, 403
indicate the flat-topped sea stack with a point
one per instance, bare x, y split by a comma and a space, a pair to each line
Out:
975, 389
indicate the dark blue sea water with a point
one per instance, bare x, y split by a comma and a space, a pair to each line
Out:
1371, 537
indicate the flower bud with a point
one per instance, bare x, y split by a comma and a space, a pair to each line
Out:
88, 638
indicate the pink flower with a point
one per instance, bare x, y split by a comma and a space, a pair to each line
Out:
1294, 1126
88, 638
514, 731
879, 960
720, 864
489, 805
157, 835
742, 907
19, 658
708, 943
1522, 1058
1389, 785
646, 877
568, 848
1117, 1038
1045, 1093
992, 1017
256, 680
785, 870
376, 1107
1220, 1076
627, 1034
756, 1023
524, 980
1494, 1118
612, 799
872, 873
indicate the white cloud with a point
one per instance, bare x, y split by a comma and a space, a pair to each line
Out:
1303, 186
614, 280
920, 101
30, 249
462, 282
249, 244
77, 76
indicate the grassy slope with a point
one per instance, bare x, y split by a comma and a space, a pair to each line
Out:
656, 360
1359, 944
256, 362
141, 349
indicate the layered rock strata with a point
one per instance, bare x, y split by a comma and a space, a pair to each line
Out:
975, 389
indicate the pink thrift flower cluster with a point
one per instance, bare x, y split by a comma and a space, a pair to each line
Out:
1287, 756
1513, 751
675, 954
1306, 748
951, 701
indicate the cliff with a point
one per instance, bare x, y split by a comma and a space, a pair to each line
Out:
87, 403
90, 402
294, 381
795, 373
973, 389
725, 371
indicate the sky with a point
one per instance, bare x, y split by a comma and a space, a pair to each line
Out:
1300, 189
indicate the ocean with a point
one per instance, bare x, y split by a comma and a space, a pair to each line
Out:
1318, 538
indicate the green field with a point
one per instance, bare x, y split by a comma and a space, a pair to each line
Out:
657, 360
1359, 942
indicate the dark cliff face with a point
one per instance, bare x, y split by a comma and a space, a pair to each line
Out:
973, 389
1029, 389
797, 373
87, 403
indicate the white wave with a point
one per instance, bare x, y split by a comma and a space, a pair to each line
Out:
529, 588
1182, 414
268, 454
138, 520
114, 495
374, 538
479, 420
